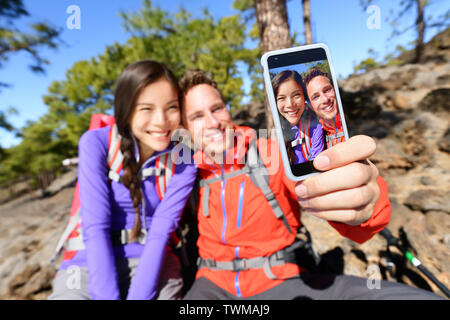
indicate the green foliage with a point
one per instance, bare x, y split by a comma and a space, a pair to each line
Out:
183, 43
13, 40
366, 65
4, 123
180, 41
391, 59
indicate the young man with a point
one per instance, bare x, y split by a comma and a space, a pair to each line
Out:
247, 227
323, 101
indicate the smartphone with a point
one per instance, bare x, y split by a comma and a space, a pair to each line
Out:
305, 103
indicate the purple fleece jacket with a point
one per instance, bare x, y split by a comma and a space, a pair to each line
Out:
107, 206
316, 139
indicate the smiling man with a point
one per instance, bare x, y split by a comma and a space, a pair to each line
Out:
249, 220
322, 97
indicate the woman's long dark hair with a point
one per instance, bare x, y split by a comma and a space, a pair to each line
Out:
285, 125
129, 85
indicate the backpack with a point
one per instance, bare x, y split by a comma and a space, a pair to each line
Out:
300, 252
71, 239
304, 138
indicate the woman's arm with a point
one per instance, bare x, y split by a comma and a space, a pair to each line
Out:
316, 141
96, 215
164, 222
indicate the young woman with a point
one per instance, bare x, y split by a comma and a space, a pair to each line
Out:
303, 134
125, 224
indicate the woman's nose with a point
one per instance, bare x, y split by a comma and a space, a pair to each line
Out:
160, 118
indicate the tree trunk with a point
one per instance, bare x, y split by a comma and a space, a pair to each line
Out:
272, 20
420, 23
307, 21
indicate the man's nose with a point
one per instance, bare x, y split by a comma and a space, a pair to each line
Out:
211, 121
324, 98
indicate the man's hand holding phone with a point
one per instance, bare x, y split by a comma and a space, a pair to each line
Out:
347, 191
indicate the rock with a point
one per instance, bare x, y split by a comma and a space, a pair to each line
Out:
23, 277
429, 199
434, 256
389, 155
437, 101
360, 105
68, 179
400, 215
427, 181
438, 222
32, 280
444, 142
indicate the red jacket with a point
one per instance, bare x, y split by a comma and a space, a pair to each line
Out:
241, 223
334, 133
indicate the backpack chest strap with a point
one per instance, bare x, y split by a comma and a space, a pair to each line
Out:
258, 174
145, 173
205, 183
152, 171
300, 252
334, 136
296, 142
276, 259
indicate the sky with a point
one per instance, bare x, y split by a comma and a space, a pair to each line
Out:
343, 25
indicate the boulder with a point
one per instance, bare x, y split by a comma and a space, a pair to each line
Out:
429, 199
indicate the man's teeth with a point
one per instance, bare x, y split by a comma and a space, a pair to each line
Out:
328, 108
215, 136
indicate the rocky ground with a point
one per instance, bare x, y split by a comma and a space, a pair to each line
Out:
405, 108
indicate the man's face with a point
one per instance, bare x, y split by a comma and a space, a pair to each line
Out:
207, 119
323, 98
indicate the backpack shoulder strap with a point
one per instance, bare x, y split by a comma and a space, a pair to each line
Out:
305, 132
259, 175
257, 171
115, 156
165, 169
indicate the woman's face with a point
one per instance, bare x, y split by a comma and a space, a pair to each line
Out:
291, 101
155, 117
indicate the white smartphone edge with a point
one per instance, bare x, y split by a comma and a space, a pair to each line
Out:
273, 105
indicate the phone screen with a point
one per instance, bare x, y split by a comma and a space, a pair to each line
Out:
308, 106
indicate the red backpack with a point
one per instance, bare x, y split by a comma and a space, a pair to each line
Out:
71, 239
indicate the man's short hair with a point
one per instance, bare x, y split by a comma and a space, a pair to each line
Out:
192, 78
314, 72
